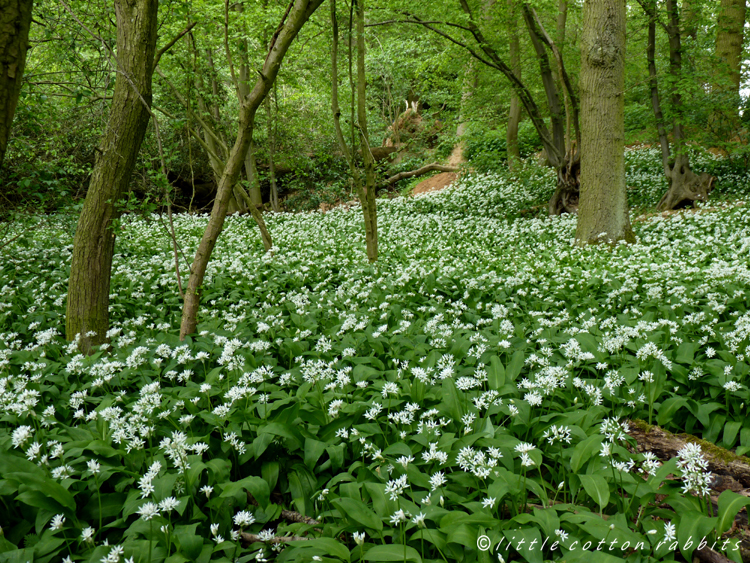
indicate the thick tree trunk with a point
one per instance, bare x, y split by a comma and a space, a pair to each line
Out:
514, 113
15, 22
730, 27
93, 247
603, 211
299, 12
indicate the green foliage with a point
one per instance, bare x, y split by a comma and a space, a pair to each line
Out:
486, 150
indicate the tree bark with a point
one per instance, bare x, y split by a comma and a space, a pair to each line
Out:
251, 168
271, 150
93, 246
298, 12
730, 25
514, 113
367, 191
603, 211
15, 23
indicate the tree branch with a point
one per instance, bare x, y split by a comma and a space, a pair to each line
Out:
169, 45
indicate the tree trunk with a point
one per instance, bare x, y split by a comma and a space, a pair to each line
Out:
251, 169
271, 150
367, 192
93, 247
15, 22
514, 113
603, 212
685, 187
298, 13
730, 25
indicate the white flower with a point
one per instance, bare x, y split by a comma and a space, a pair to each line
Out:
359, 537
93, 466
489, 502
437, 480
524, 447
395, 487
670, 532
169, 504
419, 520
243, 518
148, 510
57, 522
87, 534
207, 490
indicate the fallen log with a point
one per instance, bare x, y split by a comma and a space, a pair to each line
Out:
434, 167
732, 471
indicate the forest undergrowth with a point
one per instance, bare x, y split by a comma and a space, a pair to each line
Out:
470, 390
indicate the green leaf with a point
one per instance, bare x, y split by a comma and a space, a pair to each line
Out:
190, 543
44, 485
730, 503
693, 526
324, 546
514, 366
527, 541
597, 488
584, 451
359, 512
313, 450
392, 552
668, 409
256, 486
495, 374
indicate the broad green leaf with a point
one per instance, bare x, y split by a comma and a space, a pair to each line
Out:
392, 552
730, 503
359, 512
597, 488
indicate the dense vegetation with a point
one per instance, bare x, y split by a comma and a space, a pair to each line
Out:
476, 380
529, 365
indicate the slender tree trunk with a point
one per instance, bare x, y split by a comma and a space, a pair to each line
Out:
730, 27
562, 20
93, 247
514, 113
15, 23
298, 13
603, 211
367, 194
251, 169
684, 185
271, 150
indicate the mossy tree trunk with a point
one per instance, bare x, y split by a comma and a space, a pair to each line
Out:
15, 23
93, 247
603, 208
730, 26
297, 14
514, 112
